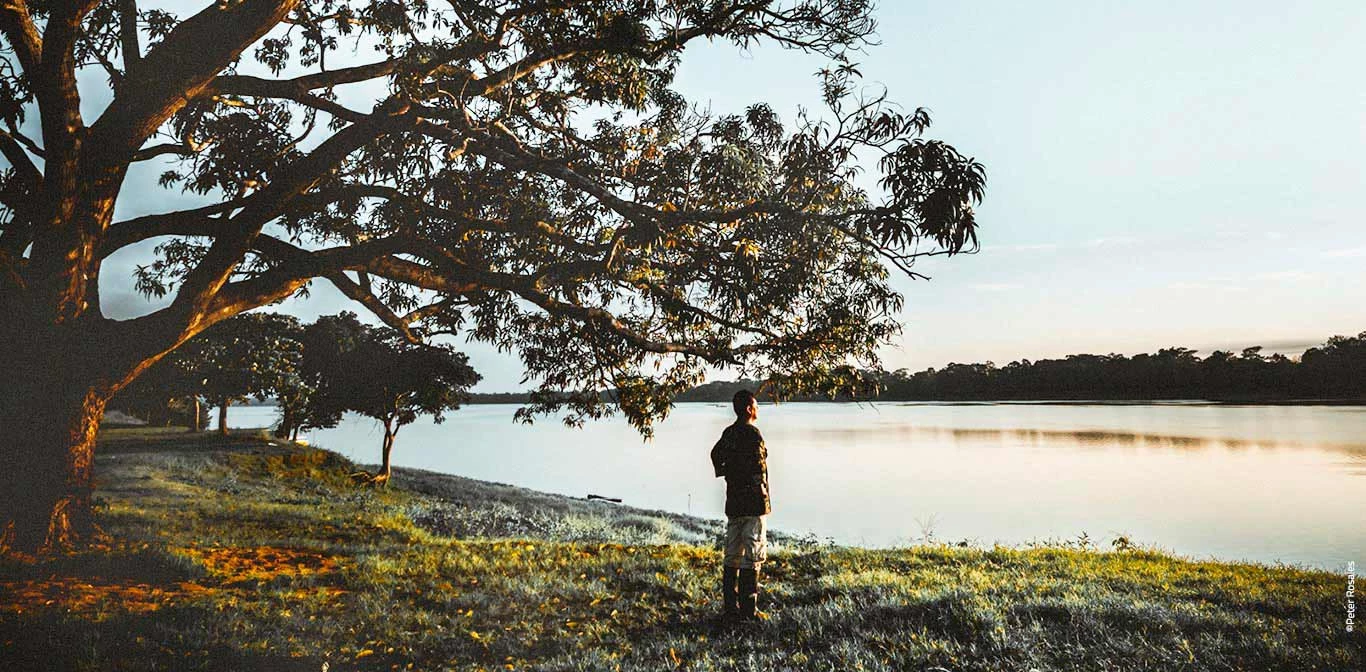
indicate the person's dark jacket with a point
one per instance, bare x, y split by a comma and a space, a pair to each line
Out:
740, 456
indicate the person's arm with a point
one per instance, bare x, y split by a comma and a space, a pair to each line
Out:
718, 456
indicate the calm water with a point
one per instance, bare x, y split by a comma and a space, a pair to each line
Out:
1264, 483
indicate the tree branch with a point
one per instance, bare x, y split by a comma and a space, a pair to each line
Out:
179, 68
22, 35
23, 165
227, 251
297, 265
603, 318
365, 297
128, 35
178, 148
261, 87
195, 222
512, 155
423, 312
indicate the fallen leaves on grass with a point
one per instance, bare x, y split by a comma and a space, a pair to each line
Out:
91, 595
236, 564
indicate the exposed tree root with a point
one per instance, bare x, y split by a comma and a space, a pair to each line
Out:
367, 479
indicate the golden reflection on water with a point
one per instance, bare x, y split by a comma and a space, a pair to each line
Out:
1259, 483
1090, 439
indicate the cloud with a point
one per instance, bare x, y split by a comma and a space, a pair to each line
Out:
995, 286
1205, 287
1115, 241
1285, 276
123, 303
1032, 247
1351, 252
1287, 347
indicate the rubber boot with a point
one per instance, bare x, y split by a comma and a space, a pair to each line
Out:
749, 594
730, 593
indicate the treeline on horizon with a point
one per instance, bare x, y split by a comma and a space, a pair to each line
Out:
1335, 370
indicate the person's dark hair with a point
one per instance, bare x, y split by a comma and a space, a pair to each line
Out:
740, 402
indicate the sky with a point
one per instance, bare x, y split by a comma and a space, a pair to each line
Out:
1159, 174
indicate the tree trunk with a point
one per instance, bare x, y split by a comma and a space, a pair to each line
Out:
223, 418
288, 422
385, 466
197, 424
55, 380
47, 450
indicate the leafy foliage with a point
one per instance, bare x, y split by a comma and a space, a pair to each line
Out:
374, 372
246, 356
522, 174
256, 355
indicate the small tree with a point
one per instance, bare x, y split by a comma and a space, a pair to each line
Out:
314, 404
377, 373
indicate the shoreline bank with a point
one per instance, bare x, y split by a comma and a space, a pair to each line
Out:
239, 554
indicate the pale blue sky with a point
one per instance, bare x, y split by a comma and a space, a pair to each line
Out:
1159, 173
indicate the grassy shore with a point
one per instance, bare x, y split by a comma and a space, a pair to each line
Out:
243, 554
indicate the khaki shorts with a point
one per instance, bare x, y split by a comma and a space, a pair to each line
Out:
746, 542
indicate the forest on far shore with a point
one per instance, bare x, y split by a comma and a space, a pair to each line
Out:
1334, 370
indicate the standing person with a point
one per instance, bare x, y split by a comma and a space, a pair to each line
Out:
741, 457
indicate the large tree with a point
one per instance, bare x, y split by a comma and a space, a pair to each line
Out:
520, 172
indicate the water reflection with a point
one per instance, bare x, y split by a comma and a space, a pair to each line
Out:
1084, 438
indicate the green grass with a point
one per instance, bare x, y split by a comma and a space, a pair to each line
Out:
235, 554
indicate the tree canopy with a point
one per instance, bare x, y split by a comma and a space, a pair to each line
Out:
243, 357
480, 193
519, 172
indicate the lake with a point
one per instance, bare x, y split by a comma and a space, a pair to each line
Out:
1261, 483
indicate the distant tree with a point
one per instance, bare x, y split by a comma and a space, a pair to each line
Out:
253, 355
1218, 373
1335, 370
250, 355
521, 171
285, 376
378, 374
165, 395
292, 394
327, 344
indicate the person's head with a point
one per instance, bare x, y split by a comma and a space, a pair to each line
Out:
746, 408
